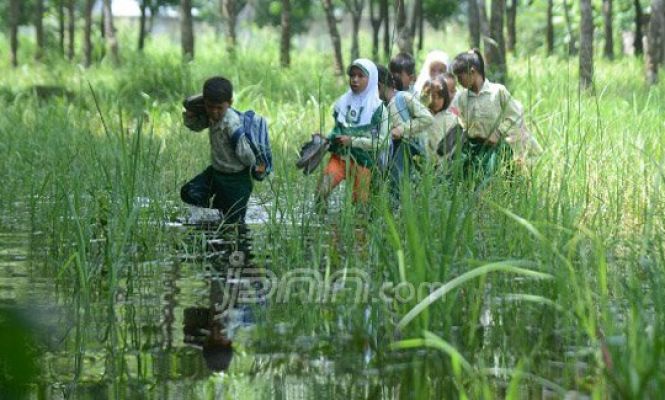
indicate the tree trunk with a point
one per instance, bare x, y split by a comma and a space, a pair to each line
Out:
550, 28
572, 46
71, 29
637, 42
495, 49
421, 27
482, 15
404, 38
653, 56
186, 30
511, 19
334, 36
474, 24
154, 10
229, 14
608, 50
14, 12
109, 33
61, 26
586, 44
142, 24
102, 24
285, 48
376, 26
385, 16
87, 34
355, 7
355, 48
39, 29
417, 5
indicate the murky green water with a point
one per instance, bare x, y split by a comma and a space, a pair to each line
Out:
175, 329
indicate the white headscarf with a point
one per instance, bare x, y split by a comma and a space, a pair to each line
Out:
357, 109
432, 57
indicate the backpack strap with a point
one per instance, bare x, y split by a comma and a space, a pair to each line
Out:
402, 107
242, 129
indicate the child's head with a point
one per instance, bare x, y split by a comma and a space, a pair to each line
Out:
437, 91
359, 74
450, 82
467, 66
437, 68
403, 68
386, 82
217, 97
437, 62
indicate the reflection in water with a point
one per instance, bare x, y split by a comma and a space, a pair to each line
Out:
159, 327
211, 328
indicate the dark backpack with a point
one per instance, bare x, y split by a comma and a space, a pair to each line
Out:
255, 129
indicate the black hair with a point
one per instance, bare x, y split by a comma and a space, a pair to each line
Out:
441, 80
217, 90
403, 62
467, 60
385, 76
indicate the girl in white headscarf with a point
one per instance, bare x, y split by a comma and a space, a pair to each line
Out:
358, 132
437, 62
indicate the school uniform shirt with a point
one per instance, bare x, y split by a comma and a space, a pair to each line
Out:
416, 127
443, 121
366, 139
491, 111
225, 157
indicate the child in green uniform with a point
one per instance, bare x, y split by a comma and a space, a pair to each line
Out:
409, 120
491, 118
228, 176
360, 129
437, 93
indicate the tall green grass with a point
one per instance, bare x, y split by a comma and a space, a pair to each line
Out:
100, 175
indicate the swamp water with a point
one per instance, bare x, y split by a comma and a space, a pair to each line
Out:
213, 316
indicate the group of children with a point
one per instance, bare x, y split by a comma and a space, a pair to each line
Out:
391, 122
388, 123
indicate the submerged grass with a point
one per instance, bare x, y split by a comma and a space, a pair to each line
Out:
100, 175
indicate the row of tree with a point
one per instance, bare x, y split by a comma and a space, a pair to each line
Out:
491, 26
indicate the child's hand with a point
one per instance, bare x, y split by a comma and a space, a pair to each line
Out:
260, 168
344, 140
396, 133
493, 140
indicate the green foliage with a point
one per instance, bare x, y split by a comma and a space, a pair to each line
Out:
268, 12
18, 361
437, 11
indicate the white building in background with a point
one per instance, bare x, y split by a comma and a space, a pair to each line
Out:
127, 15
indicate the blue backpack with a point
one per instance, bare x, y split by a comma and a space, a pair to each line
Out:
255, 129
416, 147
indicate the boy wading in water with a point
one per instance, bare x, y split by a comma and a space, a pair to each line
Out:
358, 132
228, 177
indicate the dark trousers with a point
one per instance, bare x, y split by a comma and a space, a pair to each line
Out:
229, 193
481, 160
404, 163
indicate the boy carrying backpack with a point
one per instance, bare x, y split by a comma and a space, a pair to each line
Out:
239, 149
